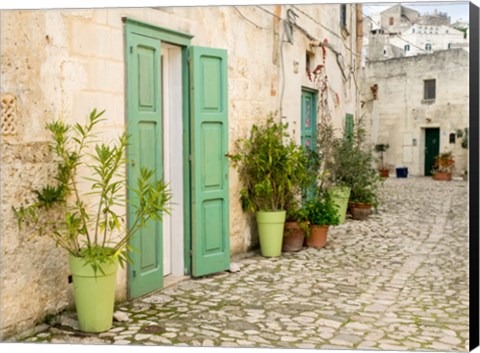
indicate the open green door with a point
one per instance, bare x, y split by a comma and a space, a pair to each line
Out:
145, 150
209, 169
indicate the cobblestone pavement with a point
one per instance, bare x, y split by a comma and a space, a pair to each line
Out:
398, 281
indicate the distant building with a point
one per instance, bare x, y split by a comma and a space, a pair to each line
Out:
401, 32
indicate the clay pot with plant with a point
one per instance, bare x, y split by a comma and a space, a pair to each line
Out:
382, 148
296, 228
271, 168
443, 166
322, 214
95, 235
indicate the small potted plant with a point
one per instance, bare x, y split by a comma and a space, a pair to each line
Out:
382, 148
296, 228
270, 171
322, 213
94, 234
443, 167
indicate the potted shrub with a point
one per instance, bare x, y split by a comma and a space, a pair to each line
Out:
336, 168
269, 170
442, 169
365, 183
322, 213
381, 148
94, 236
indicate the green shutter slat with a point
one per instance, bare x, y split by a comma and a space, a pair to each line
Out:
210, 187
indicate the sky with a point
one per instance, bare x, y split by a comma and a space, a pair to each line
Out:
456, 10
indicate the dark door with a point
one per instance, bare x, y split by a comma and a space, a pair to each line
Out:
432, 148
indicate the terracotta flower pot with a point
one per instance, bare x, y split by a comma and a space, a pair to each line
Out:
318, 236
445, 176
384, 173
293, 237
360, 211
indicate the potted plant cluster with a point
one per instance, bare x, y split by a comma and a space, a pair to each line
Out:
321, 213
95, 237
271, 168
443, 166
382, 148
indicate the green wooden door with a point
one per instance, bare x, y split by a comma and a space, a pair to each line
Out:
145, 150
209, 170
432, 148
309, 120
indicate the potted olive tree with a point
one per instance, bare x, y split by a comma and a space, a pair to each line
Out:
268, 168
93, 233
382, 148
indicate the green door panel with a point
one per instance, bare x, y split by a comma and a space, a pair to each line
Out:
209, 170
432, 148
309, 120
144, 124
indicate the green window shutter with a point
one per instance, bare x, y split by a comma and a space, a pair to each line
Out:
210, 187
349, 124
144, 150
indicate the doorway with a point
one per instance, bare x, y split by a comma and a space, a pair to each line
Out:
432, 148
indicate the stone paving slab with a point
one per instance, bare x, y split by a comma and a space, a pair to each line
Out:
398, 281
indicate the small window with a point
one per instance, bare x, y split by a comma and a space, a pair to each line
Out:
390, 21
343, 15
449, 46
413, 30
429, 90
452, 138
407, 47
428, 46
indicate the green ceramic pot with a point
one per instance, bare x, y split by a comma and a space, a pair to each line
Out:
94, 294
340, 196
270, 231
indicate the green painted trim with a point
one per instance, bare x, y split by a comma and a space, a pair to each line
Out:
164, 34
187, 182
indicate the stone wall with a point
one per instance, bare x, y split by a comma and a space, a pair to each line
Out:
64, 63
399, 116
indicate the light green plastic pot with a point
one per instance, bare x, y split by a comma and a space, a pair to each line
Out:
270, 231
340, 196
94, 294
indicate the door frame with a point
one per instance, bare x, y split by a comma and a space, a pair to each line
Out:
182, 40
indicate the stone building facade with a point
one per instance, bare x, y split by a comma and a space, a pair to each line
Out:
401, 31
401, 115
64, 63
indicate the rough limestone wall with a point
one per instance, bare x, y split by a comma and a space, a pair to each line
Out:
33, 272
398, 116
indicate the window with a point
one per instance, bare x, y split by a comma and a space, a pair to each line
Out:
449, 46
390, 21
413, 30
343, 15
428, 46
407, 47
452, 138
429, 90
